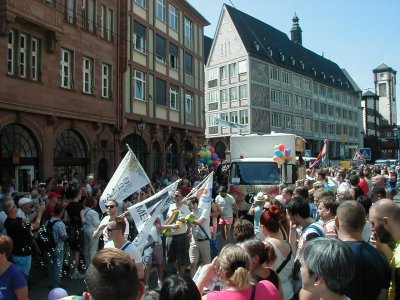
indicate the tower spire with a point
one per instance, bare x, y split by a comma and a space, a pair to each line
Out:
296, 32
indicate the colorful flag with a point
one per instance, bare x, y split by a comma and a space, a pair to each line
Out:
148, 212
204, 192
127, 179
321, 156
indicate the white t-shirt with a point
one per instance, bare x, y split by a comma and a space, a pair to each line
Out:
130, 249
105, 221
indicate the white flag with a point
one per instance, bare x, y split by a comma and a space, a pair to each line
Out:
127, 179
204, 192
146, 213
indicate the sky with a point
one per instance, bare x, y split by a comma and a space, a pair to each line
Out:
358, 35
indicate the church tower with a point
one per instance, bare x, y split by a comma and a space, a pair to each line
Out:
385, 88
296, 31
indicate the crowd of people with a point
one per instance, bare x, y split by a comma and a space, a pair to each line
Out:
332, 236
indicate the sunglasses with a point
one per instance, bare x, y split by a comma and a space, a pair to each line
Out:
110, 206
111, 229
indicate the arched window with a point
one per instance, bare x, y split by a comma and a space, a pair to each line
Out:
172, 155
156, 157
138, 146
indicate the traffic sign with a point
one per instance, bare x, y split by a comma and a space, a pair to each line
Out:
357, 155
366, 153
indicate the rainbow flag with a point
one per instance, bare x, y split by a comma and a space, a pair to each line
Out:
321, 155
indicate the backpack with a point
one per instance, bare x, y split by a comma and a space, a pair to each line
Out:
45, 237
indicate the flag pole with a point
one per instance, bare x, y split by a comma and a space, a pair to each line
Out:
151, 186
197, 186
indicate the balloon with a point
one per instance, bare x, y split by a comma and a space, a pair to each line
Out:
57, 293
212, 149
214, 156
215, 163
276, 147
288, 158
209, 162
287, 152
202, 160
208, 155
281, 147
275, 158
278, 152
280, 161
202, 153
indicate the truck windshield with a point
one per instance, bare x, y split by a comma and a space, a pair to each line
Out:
254, 173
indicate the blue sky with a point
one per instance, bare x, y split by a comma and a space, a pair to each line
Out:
358, 35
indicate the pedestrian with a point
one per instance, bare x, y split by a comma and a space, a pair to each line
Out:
91, 222
112, 275
228, 207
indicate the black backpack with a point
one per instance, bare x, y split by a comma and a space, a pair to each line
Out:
45, 237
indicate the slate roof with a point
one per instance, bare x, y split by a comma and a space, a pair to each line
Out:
382, 68
207, 47
253, 31
369, 94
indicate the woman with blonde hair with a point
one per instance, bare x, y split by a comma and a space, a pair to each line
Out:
233, 267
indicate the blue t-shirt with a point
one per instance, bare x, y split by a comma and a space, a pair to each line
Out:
12, 279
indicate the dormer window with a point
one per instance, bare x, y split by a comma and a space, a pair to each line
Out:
293, 61
323, 75
332, 78
269, 50
257, 46
302, 64
314, 71
282, 56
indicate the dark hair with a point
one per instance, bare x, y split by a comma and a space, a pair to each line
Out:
330, 203
72, 193
379, 191
354, 179
300, 206
112, 275
366, 202
6, 245
120, 223
175, 287
58, 208
264, 250
243, 230
223, 189
89, 201
302, 191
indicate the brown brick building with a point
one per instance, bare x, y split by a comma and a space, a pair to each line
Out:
75, 86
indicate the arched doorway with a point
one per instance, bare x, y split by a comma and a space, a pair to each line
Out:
102, 172
156, 157
18, 156
171, 150
138, 146
70, 155
220, 149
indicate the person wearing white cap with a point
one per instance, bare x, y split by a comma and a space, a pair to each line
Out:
256, 210
30, 214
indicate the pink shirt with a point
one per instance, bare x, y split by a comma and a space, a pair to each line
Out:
264, 290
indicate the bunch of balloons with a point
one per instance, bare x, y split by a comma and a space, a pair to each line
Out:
207, 156
282, 155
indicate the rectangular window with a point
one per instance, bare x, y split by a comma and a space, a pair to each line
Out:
382, 90
242, 66
243, 91
34, 59
188, 63
105, 81
161, 92
189, 107
212, 120
232, 70
338, 112
160, 10
160, 49
297, 81
288, 121
173, 96
286, 78
316, 126
223, 72
276, 97
173, 17
11, 53
299, 123
66, 64
287, 99
307, 85
308, 124
225, 48
87, 75
139, 37
276, 120
188, 32
22, 54
244, 116
323, 109
332, 128
173, 56
141, 3
213, 97
224, 96
234, 117
330, 110
297, 101
275, 74
233, 93
316, 107
308, 104
139, 85
212, 76
89, 15
70, 11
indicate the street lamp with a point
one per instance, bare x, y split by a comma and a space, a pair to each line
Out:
397, 133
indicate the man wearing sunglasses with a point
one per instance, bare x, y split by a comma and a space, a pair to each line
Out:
115, 230
112, 213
